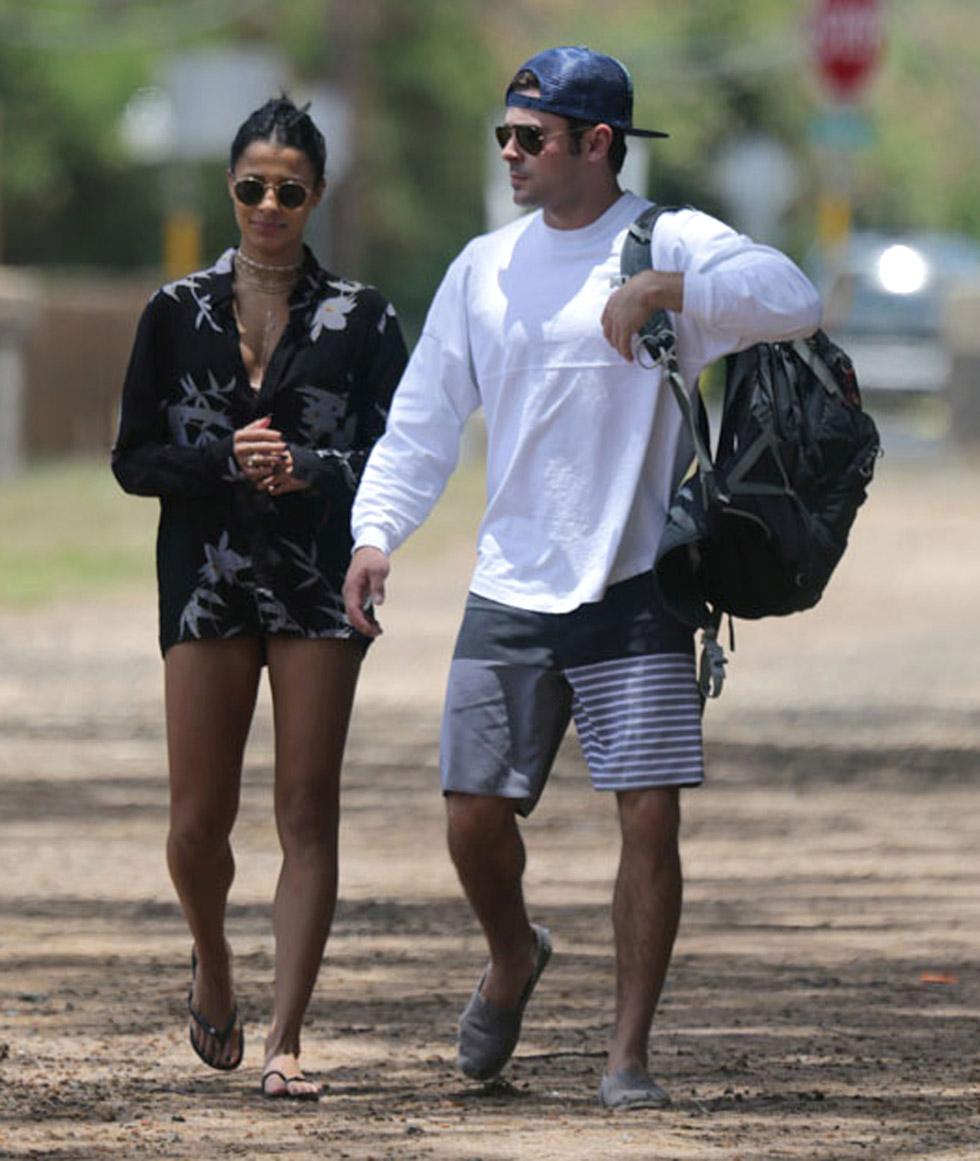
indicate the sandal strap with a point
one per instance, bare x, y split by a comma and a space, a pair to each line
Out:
221, 1035
282, 1076
299, 1078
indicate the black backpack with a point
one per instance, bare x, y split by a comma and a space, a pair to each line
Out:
758, 530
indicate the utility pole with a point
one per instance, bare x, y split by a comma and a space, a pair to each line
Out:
2, 155
347, 32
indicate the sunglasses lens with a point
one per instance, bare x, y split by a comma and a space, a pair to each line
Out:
291, 195
529, 137
249, 191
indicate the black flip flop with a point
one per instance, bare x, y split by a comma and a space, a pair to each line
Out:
285, 1094
222, 1035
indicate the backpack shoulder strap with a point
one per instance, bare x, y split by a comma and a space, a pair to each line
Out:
657, 337
656, 333
658, 340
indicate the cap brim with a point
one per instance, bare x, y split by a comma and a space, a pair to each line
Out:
645, 133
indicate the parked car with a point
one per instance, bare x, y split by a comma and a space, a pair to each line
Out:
884, 299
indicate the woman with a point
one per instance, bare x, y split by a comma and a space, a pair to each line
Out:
255, 391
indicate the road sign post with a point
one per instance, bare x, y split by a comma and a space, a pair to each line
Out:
847, 41
846, 38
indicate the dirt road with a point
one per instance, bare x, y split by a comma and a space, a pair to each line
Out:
825, 997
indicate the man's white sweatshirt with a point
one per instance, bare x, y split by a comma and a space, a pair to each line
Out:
584, 449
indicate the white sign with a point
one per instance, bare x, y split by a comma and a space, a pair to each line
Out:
203, 97
213, 91
758, 178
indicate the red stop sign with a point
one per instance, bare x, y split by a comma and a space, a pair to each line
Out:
847, 37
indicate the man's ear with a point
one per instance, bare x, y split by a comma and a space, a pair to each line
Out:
600, 141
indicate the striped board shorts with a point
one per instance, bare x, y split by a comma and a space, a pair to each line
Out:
622, 668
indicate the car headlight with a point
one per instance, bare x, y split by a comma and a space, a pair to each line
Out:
902, 270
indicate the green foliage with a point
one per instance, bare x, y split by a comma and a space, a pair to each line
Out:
423, 144
924, 167
430, 78
69, 195
69, 530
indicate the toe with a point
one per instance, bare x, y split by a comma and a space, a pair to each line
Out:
283, 1077
303, 1088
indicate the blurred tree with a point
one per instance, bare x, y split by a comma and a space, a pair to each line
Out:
426, 77
924, 166
418, 80
70, 196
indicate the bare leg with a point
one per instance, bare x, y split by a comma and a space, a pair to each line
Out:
646, 912
486, 847
210, 698
313, 686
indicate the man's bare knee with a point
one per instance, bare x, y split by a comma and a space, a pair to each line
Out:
650, 816
478, 820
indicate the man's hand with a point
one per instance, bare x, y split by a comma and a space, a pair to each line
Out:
629, 307
364, 589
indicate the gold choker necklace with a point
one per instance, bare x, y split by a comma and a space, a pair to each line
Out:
265, 278
241, 256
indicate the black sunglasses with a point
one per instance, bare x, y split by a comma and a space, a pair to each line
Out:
289, 194
531, 138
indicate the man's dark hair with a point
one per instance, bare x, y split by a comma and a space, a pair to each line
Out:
526, 79
279, 120
617, 147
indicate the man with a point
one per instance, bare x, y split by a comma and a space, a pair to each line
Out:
585, 448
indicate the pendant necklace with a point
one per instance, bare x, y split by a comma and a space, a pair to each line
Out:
264, 278
273, 282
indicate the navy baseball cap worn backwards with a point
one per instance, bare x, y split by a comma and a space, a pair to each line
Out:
588, 86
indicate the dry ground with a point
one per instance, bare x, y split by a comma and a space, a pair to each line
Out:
825, 996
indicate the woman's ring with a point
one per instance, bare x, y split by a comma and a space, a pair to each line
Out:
253, 461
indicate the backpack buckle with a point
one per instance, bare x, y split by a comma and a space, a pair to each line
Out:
711, 670
654, 347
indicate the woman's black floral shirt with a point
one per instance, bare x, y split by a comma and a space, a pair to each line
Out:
233, 561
